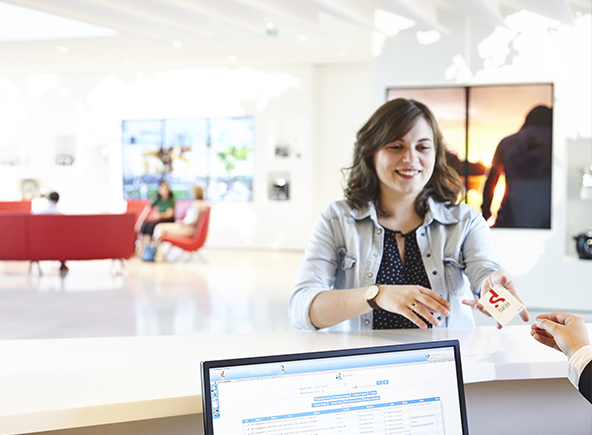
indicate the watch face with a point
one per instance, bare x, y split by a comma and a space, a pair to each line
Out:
371, 292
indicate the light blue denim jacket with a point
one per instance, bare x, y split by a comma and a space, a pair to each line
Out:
345, 249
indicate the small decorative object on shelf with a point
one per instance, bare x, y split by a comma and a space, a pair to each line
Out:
586, 188
584, 245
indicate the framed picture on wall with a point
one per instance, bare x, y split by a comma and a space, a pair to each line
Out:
499, 140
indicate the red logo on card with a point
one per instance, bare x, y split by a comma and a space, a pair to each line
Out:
495, 299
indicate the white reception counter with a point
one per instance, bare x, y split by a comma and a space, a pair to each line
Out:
53, 385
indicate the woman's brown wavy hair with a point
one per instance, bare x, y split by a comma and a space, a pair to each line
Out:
389, 123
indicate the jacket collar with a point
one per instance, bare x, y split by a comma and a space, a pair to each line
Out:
437, 211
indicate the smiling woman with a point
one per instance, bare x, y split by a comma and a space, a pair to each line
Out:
396, 252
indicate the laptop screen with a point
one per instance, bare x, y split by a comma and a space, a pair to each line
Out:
411, 388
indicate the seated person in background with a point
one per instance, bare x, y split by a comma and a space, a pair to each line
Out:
52, 208
186, 226
568, 334
396, 251
165, 203
52, 204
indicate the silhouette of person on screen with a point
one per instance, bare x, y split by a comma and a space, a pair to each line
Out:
525, 160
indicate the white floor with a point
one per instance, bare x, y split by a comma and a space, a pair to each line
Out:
232, 292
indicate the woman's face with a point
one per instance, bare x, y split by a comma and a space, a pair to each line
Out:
164, 190
406, 165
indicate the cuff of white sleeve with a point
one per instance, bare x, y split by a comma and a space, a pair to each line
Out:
577, 363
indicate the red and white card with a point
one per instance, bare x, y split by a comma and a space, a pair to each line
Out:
501, 304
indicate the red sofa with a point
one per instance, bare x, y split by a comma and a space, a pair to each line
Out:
15, 205
24, 236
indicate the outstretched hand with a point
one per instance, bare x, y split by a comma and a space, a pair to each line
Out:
565, 332
500, 277
412, 301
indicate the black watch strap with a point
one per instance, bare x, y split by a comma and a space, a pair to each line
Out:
373, 304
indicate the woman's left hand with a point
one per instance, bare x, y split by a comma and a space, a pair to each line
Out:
500, 277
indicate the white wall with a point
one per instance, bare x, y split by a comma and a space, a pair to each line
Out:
291, 105
344, 105
531, 49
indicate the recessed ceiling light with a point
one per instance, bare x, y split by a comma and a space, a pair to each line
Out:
177, 44
231, 58
62, 50
18, 23
271, 30
428, 37
302, 38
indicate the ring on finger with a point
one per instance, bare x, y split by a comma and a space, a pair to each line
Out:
413, 306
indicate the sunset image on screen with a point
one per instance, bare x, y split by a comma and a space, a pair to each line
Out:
474, 121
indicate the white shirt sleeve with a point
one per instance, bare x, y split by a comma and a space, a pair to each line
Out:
577, 363
192, 214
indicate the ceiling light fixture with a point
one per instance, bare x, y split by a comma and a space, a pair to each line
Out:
428, 37
271, 29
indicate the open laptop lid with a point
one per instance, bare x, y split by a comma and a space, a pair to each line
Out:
375, 390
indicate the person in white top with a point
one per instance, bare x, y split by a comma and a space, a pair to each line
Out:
52, 205
184, 227
568, 334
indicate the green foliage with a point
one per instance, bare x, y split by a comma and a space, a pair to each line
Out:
231, 155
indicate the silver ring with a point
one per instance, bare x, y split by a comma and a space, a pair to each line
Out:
413, 306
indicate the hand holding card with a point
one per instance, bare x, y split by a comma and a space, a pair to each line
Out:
501, 304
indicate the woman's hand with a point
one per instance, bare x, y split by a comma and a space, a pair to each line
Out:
500, 277
411, 300
565, 332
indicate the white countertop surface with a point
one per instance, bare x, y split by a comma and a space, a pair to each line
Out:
67, 383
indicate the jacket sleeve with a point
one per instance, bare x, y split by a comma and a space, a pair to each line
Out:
585, 384
317, 271
479, 253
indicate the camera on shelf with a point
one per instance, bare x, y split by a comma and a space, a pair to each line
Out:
584, 245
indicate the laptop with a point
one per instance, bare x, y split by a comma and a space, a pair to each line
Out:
408, 388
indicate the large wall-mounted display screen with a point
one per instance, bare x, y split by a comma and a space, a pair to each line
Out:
499, 139
214, 153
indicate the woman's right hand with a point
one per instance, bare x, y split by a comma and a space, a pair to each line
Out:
411, 300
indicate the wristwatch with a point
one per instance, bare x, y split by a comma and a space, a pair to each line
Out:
371, 295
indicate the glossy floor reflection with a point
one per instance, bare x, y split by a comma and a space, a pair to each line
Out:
232, 292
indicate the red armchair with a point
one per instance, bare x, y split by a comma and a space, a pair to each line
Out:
192, 244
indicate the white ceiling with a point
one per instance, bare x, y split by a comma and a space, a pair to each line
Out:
148, 34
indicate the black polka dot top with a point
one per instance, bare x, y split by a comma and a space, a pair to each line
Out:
392, 271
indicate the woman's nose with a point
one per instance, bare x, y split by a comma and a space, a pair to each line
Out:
409, 155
